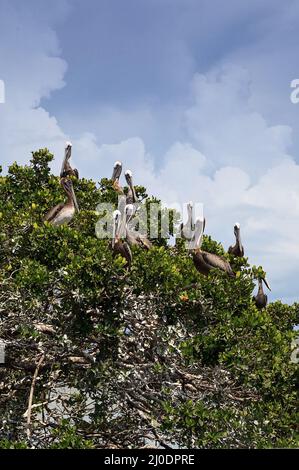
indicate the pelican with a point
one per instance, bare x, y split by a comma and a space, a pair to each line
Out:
204, 261
117, 169
188, 227
66, 169
134, 238
131, 196
237, 249
261, 298
119, 246
63, 212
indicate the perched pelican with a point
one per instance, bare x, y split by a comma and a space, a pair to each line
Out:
134, 238
261, 298
117, 169
204, 261
119, 246
131, 196
187, 229
237, 249
64, 212
66, 169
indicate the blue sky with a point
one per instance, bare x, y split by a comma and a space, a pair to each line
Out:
192, 95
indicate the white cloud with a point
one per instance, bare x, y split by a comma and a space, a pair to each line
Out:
225, 127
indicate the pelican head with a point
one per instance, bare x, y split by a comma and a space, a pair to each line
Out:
68, 150
131, 194
129, 211
237, 228
190, 212
116, 220
67, 185
129, 179
237, 233
117, 168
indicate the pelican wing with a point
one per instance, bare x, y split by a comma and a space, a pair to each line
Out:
52, 213
216, 261
144, 242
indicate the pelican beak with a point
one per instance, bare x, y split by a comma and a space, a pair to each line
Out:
115, 227
266, 283
114, 233
198, 236
190, 210
116, 171
129, 180
75, 200
67, 156
237, 230
68, 152
238, 235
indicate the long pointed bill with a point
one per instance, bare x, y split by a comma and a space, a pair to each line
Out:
68, 152
133, 192
266, 283
75, 200
67, 156
239, 240
114, 232
238, 236
190, 216
198, 236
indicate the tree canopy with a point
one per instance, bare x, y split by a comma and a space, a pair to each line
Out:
99, 356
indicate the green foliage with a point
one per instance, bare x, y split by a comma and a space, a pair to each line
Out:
160, 349
66, 437
6, 444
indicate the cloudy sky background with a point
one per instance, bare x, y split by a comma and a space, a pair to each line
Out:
193, 96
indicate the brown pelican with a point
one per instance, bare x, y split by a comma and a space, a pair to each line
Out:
261, 298
119, 246
66, 169
131, 196
204, 261
117, 169
134, 238
187, 229
64, 212
237, 249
